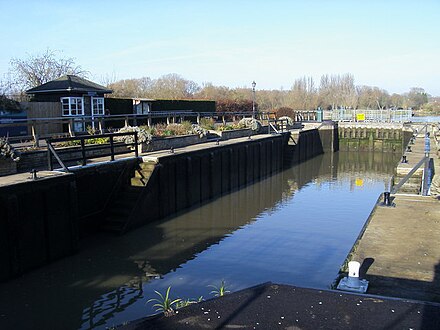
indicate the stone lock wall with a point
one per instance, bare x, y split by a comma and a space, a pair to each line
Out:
358, 138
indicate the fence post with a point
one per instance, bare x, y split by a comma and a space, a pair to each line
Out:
136, 151
35, 135
49, 156
70, 125
112, 148
100, 119
83, 152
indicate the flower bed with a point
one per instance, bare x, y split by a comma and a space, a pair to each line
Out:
235, 133
163, 143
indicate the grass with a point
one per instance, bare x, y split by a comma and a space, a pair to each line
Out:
187, 302
164, 303
221, 290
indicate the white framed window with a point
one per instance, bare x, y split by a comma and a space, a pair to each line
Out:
98, 106
72, 106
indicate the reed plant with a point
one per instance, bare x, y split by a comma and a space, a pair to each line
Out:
163, 303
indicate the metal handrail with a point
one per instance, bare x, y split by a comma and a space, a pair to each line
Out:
83, 148
279, 128
410, 173
51, 150
273, 127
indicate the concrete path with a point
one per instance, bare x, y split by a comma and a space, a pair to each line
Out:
27, 177
399, 249
155, 155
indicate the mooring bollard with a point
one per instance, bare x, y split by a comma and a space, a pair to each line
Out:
352, 282
172, 150
386, 198
217, 142
353, 274
404, 160
34, 174
408, 149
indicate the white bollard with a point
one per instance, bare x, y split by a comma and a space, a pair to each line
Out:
353, 274
352, 282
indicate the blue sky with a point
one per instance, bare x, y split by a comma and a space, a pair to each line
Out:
390, 44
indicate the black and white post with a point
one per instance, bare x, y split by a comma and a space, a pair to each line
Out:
253, 98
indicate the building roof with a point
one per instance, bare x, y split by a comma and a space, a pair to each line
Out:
71, 84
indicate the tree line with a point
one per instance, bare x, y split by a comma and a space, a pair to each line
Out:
333, 91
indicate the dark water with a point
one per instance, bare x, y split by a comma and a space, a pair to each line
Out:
295, 227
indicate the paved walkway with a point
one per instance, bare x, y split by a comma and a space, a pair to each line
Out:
400, 251
400, 248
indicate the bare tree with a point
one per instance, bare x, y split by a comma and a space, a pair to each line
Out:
211, 92
303, 95
40, 68
335, 91
127, 88
417, 97
174, 86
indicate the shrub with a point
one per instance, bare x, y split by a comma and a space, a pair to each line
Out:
227, 105
289, 120
285, 111
199, 130
187, 126
160, 129
143, 135
207, 123
176, 129
7, 151
251, 123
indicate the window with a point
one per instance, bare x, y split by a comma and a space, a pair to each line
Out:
72, 106
98, 106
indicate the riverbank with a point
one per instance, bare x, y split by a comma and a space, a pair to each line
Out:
398, 247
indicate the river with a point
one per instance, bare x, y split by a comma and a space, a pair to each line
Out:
295, 227
426, 119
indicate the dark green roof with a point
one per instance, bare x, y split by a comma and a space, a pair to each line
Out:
71, 84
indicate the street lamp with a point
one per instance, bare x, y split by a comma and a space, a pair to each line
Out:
253, 98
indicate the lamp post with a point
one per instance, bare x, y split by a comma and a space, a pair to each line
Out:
253, 98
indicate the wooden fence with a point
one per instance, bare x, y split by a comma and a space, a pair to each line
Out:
43, 110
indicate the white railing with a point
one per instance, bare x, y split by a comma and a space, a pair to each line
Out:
384, 116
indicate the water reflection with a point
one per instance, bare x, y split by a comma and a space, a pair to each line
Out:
295, 227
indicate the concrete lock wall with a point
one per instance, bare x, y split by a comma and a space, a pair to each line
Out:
307, 144
42, 220
37, 223
185, 180
95, 186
